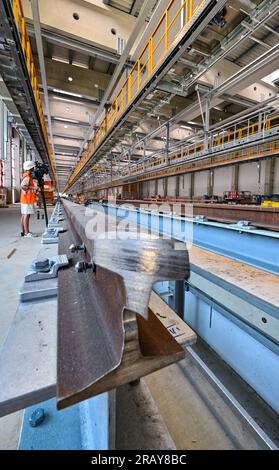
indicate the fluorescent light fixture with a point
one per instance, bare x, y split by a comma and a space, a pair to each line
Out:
60, 59
70, 93
79, 64
186, 127
66, 154
57, 118
272, 77
65, 99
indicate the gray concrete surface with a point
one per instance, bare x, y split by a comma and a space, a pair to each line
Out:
196, 416
16, 254
139, 424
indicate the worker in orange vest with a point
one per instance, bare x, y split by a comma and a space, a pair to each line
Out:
28, 198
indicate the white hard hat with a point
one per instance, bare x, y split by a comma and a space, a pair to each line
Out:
28, 165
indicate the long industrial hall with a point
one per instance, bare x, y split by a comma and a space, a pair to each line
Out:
139, 231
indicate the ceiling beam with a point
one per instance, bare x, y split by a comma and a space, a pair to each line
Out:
76, 45
188, 63
91, 63
245, 103
83, 81
171, 88
94, 24
135, 7
68, 96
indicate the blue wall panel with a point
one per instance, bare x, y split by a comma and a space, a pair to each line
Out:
94, 418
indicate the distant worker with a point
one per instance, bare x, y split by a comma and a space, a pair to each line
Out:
28, 198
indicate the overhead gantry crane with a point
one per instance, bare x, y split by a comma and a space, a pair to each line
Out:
180, 24
212, 147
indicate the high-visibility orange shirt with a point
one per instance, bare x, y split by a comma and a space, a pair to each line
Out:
28, 195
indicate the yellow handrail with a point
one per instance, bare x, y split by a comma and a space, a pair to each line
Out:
26, 48
266, 124
146, 70
256, 152
213, 161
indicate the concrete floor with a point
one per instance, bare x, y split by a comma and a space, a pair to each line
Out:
16, 254
196, 416
146, 430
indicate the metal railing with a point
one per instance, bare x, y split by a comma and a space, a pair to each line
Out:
224, 147
175, 18
203, 163
216, 141
26, 48
257, 151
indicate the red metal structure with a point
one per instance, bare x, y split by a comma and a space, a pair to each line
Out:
3, 195
49, 190
1, 174
238, 197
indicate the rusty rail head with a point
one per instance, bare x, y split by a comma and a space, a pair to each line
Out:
105, 335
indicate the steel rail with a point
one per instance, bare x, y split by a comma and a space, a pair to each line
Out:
266, 218
259, 434
107, 336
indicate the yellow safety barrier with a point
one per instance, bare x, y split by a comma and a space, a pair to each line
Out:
174, 19
26, 48
268, 203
